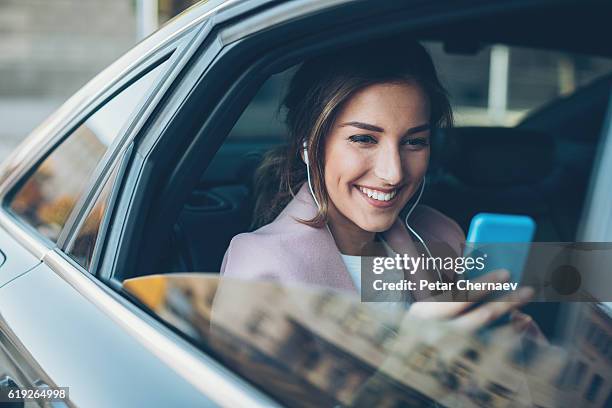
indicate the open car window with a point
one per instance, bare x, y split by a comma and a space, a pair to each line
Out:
472, 168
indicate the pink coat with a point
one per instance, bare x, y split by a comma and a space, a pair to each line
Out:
291, 252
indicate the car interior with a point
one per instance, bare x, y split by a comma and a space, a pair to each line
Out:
539, 168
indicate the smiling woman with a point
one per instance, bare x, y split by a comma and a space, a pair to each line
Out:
339, 94
359, 123
348, 183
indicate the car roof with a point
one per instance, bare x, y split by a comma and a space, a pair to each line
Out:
573, 25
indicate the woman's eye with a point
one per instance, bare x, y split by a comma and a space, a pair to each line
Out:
363, 139
416, 142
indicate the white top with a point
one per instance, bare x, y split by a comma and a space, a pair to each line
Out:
353, 266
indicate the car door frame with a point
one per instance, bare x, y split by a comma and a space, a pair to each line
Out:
178, 172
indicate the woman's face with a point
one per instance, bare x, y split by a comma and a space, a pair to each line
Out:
376, 155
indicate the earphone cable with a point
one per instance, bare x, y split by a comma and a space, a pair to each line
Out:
415, 233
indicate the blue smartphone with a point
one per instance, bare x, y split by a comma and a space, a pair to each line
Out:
503, 239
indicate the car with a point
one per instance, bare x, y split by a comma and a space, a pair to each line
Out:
117, 210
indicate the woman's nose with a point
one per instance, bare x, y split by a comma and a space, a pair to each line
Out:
389, 167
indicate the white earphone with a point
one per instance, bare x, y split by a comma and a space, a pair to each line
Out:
305, 158
421, 240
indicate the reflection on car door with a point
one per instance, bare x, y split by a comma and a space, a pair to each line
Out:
15, 259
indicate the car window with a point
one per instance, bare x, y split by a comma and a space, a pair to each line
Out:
310, 346
82, 248
48, 196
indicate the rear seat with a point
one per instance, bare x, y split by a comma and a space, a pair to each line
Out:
500, 170
220, 208
513, 171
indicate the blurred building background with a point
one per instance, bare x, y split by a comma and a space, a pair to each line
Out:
49, 49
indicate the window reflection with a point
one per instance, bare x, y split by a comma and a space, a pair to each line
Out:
82, 249
49, 195
309, 347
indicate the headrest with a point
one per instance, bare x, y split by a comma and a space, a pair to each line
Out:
495, 157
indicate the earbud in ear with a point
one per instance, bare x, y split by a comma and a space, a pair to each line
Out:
305, 152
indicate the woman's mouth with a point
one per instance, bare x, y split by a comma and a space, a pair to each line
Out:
379, 198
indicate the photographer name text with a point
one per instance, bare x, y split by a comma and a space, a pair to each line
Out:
424, 284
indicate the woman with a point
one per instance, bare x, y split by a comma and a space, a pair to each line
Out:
359, 122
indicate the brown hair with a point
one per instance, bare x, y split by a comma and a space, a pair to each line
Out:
316, 94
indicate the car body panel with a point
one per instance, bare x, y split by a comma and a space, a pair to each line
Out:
49, 317
16, 260
69, 310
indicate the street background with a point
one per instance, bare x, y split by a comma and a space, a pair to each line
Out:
49, 49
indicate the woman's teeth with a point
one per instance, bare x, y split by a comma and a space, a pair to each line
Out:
378, 195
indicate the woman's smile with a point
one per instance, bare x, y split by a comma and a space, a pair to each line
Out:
379, 197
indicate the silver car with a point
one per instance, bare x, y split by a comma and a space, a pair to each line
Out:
116, 212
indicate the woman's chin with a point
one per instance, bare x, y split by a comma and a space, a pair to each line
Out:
377, 226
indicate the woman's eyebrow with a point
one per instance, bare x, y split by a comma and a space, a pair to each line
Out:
417, 129
374, 128
364, 126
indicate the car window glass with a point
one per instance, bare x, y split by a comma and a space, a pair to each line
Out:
48, 196
313, 346
82, 249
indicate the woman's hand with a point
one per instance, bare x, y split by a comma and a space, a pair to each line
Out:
466, 316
